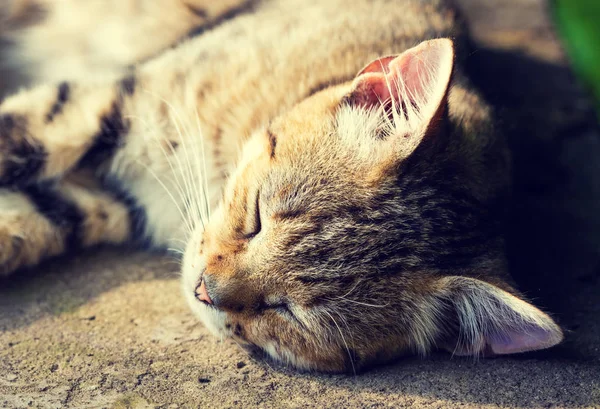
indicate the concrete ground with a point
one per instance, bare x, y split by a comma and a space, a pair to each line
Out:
110, 330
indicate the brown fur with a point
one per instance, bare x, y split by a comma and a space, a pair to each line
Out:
341, 236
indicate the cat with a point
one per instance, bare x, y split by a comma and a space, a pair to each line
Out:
334, 183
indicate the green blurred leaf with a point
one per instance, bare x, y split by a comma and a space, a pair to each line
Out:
579, 24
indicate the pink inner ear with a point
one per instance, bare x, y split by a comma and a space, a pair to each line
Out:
527, 339
372, 90
495, 321
379, 65
410, 69
420, 74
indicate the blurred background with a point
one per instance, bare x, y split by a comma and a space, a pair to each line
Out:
578, 22
539, 62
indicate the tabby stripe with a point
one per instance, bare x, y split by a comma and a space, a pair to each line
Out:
288, 214
198, 11
61, 212
272, 142
351, 361
64, 91
217, 138
301, 235
112, 129
245, 8
24, 158
326, 84
137, 213
128, 84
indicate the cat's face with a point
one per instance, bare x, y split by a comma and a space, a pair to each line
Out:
338, 242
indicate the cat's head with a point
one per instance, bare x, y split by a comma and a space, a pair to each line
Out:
362, 225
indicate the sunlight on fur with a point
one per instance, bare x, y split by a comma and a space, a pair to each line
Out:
336, 204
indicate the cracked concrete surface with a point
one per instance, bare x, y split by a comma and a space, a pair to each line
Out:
109, 329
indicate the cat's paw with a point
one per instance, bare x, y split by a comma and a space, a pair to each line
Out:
11, 251
25, 235
21, 158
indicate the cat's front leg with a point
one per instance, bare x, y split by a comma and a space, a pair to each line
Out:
126, 132
51, 129
43, 221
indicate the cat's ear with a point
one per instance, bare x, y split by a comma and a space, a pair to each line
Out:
482, 319
414, 84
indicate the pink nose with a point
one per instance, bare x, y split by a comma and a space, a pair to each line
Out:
202, 294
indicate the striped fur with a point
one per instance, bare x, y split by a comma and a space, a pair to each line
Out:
44, 220
335, 219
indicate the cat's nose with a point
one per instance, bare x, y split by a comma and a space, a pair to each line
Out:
227, 294
201, 293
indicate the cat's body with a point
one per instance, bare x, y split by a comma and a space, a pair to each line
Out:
348, 217
209, 77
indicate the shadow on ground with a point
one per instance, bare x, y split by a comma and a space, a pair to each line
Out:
554, 223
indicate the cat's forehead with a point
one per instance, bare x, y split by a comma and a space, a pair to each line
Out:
321, 148
307, 126
326, 134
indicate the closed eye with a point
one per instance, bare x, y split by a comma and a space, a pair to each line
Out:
255, 224
279, 306
282, 308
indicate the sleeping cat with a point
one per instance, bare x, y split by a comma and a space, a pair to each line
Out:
333, 181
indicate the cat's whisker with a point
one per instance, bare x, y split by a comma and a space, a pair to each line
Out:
265, 357
248, 354
176, 123
187, 177
179, 241
176, 262
345, 322
190, 181
361, 303
175, 202
184, 192
151, 132
187, 224
163, 186
201, 190
343, 339
206, 196
351, 289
